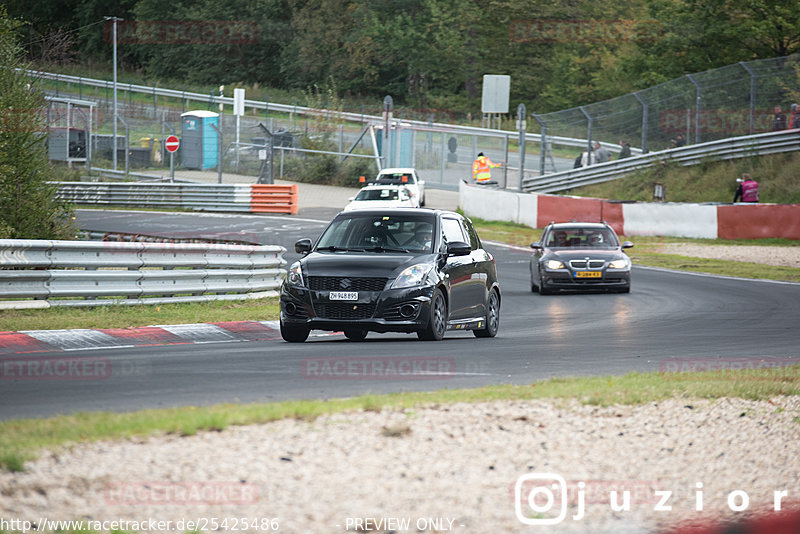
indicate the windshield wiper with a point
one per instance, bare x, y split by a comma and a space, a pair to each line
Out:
386, 249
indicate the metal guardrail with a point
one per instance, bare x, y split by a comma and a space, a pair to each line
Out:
81, 273
732, 148
230, 197
220, 238
250, 198
314, 112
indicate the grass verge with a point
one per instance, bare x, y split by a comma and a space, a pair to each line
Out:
127, 316
22, 439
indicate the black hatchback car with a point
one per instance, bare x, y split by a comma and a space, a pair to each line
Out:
392, 270
580, 256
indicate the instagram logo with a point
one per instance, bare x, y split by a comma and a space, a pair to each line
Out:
540, 491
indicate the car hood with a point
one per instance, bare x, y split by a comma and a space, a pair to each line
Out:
370, 264
579, 254
377, 204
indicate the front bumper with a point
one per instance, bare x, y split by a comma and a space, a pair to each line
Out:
616, 279
389, 310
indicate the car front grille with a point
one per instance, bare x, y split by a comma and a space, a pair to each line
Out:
344, 283
583, 264
345, 311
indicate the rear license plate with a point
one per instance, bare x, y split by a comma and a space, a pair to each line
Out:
588, 274
343, 295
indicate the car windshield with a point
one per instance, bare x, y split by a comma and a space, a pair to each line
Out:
379, 233
378, 194
603, 238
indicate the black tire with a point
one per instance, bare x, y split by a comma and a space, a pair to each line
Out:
534, 287
355, 334
294, 334
422, 202
492, 317
437, 320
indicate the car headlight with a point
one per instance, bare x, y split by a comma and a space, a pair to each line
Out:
553, 265
622, 263
411, 276
295, 275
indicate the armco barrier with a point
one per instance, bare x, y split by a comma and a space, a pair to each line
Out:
85, 273
731, 148
208, 197
729, 221
273, 198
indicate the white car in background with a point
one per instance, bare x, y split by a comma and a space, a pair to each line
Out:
382, 196
406, 176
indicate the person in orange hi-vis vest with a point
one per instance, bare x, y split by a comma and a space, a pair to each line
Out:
481, 172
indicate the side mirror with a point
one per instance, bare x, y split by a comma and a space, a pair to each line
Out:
458, 248
627, 244
536, 246
303, 246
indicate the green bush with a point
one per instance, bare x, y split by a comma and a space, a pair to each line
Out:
28, 209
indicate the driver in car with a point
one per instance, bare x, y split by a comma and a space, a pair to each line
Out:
423, 236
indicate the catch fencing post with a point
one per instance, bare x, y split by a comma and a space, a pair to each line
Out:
521, 125
219, 151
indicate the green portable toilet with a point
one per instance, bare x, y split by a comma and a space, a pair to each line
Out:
199, 141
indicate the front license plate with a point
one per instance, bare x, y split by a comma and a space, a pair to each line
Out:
343, 295
588, 274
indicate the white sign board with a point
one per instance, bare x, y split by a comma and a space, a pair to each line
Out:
496, 90
238, 102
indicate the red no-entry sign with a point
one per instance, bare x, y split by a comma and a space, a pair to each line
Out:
172, 143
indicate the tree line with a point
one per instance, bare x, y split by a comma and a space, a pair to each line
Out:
425, 53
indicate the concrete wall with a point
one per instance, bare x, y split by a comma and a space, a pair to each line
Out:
731, 221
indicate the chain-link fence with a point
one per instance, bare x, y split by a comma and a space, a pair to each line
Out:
720, 103
726, 102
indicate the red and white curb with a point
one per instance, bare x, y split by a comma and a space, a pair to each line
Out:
33, 341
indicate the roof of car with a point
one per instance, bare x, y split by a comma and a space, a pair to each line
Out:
399, 211
397, 170
575, 224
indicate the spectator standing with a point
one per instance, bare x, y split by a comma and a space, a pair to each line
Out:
626, 150
747, 190
779, 122
600, 153
794, 120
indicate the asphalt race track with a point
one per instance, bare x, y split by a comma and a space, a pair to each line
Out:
669, 320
